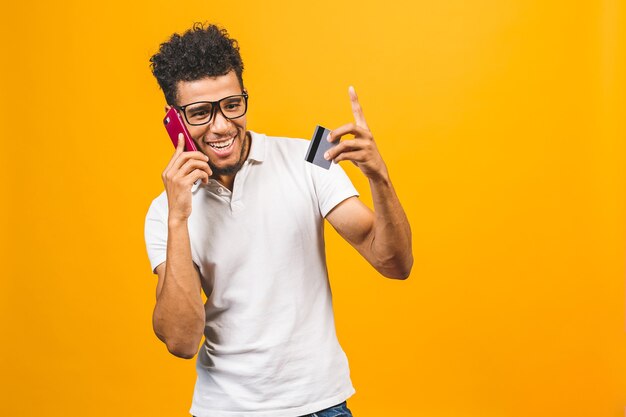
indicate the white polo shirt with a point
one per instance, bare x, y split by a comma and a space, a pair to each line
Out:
270, 346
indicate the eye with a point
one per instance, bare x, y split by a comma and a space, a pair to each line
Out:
232, 106
199, 112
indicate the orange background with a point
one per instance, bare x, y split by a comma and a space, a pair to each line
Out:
502, 123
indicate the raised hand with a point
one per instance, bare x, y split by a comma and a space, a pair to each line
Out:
361, 149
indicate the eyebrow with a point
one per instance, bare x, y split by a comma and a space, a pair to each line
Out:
198, 103
232, 96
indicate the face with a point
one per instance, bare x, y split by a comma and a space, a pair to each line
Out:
223, 140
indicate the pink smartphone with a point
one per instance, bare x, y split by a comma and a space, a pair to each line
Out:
174, 125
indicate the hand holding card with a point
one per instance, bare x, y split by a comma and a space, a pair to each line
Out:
361, 150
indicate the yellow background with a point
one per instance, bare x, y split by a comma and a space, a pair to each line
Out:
502, 123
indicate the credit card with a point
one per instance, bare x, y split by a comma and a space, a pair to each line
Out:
318, 147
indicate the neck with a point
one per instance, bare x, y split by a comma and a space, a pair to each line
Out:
226, 180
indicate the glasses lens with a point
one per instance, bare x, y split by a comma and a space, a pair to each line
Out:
233, 107
199, 113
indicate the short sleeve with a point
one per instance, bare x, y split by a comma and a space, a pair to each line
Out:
155, 231
332, 186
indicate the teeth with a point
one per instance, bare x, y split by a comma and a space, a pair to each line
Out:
222, 145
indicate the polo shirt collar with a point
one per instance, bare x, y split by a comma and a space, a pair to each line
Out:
257, 147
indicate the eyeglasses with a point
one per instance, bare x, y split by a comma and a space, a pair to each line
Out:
201, 112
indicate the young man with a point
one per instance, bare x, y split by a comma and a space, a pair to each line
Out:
242, 219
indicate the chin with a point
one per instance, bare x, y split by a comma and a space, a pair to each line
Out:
232, 167
226, 170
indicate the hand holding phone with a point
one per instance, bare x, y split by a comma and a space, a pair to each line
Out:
184, 169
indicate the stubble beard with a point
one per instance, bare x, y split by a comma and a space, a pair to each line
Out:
234, 168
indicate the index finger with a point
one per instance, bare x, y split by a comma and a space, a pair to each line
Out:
359, 118
180, 147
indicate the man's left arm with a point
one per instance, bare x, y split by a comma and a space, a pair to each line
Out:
382, 237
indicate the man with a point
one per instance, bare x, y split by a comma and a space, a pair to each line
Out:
242, 219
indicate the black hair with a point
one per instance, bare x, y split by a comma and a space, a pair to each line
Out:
199, 52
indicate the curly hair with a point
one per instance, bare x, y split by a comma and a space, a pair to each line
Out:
199, 52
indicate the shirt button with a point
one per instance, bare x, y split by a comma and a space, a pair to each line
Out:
220, 190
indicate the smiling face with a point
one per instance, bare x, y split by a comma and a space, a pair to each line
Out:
223, 140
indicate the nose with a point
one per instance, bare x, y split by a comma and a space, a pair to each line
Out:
219, 124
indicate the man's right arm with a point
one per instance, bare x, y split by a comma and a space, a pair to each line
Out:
179, 317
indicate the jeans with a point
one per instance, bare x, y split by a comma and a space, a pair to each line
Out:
339, 410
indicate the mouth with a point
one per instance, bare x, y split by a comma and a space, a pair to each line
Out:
221, 145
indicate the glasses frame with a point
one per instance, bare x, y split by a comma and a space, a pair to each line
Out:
214, 104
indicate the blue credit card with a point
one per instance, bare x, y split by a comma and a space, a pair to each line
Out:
318, 147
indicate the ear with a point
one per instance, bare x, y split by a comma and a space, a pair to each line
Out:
167, 108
